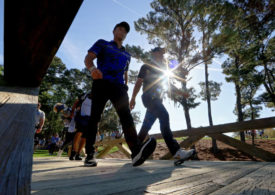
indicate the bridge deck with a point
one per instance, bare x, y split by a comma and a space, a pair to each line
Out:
115, 176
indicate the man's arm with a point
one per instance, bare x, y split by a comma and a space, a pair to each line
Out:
126, 77
41, 124
135, 92
89, 63
74, 107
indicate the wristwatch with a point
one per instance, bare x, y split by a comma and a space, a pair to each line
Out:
91, 68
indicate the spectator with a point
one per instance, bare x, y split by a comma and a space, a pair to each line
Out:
53, 144
39, 123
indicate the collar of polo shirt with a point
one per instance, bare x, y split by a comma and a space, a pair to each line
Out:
113, 42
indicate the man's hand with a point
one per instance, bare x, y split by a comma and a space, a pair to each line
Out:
132, 104
38, 130
184, 94
96, 74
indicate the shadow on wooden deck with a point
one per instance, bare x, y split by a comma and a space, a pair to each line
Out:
116, 176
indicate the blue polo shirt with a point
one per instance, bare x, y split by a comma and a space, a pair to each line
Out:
111, 60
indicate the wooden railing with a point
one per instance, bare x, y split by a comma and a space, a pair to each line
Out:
17, 110
195, 134
108, 144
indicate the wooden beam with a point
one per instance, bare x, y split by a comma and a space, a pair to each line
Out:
244, 147
187, 143
17, 111
105, 151
33, 32
124, 149
225, 128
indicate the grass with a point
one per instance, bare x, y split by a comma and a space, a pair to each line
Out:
45, 153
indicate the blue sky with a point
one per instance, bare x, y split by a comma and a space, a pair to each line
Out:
96, 19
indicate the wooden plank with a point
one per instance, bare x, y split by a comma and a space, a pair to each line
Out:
114, 176
225, 128
261, 181
187, 143
36, 29
105, 151
16, 132
205, 183
244, 147
124, 149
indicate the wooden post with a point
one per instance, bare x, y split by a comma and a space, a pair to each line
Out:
124, 149
244, 147
17, 111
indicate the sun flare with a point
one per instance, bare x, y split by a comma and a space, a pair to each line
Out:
168, 73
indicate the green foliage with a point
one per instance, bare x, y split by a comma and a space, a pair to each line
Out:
1, 70
247, 37
2, 82
214, 90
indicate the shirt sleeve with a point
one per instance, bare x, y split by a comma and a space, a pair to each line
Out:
42, 115
142, 72
97, 47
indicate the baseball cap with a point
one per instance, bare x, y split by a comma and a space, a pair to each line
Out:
123, 24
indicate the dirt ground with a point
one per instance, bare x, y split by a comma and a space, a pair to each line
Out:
226, 153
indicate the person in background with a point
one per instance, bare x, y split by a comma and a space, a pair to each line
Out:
39, 123
53, 144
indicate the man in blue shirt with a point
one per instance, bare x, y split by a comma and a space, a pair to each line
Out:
110, 83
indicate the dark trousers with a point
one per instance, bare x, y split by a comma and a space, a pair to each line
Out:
52, 148
102, 91
155, 109
68, 140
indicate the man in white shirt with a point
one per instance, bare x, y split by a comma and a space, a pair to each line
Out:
39, 119
39, 123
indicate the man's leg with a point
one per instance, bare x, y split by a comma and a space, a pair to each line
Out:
148, 122
81, 144
158, 110
120, 101
77, 141
140, 152
99, 99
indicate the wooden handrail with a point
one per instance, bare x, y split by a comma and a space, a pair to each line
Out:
225, 128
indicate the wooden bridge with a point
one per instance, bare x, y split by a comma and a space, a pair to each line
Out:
116, 176
33, 31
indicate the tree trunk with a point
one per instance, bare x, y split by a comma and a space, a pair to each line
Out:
214, 142
238, 100
186, 113
204, 42
252, 118
268, 85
